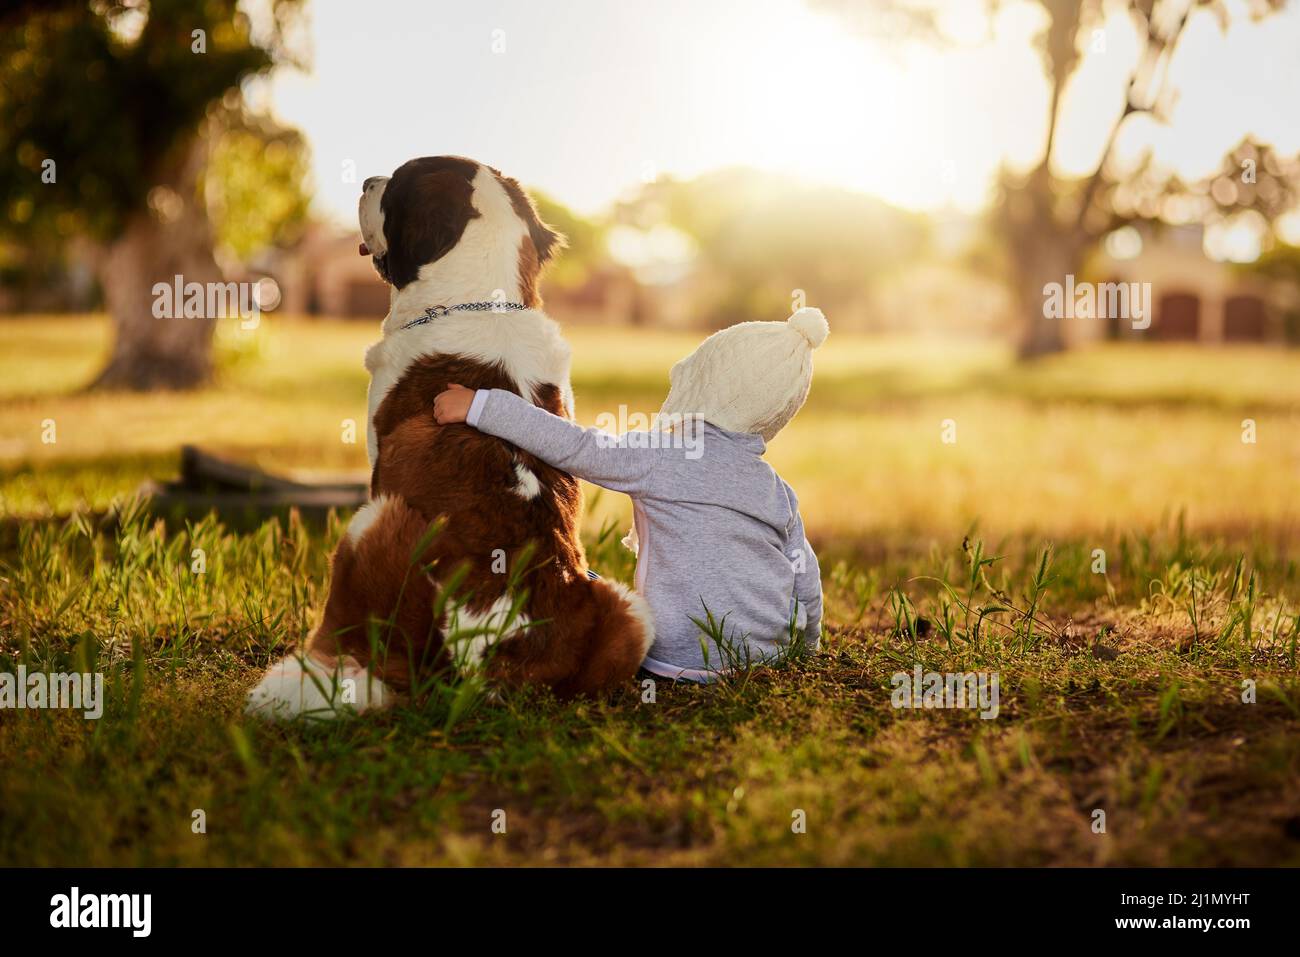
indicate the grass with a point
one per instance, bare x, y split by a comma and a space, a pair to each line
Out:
1098, 441
1120, 690
1119, 704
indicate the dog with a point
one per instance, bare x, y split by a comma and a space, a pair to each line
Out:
467, 555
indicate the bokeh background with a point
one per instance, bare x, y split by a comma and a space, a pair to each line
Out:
1102, 515
918, 170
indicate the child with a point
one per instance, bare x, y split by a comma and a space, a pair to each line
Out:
719, 531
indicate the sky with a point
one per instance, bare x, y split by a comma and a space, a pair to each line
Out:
586, 99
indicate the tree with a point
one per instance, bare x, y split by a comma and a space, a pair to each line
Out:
255, 183
761, 238
584, 241
108, 112
1049, 224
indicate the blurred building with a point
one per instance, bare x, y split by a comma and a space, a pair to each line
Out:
325, 274
1194, 298
606, 295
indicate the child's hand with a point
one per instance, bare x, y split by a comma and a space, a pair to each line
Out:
453, 405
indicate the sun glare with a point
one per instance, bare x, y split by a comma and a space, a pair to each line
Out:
783, 86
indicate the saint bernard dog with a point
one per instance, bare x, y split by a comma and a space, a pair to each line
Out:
467, 555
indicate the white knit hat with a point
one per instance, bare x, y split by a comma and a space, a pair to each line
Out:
750, 377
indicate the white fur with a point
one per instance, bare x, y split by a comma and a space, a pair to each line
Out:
365, 517
469, 634
526, 344
640, 610
528, 487
371, 215
303, 687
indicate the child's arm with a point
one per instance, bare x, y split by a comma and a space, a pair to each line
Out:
807, 575
589, 454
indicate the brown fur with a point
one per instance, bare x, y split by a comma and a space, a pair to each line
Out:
587, 639
380, 584
529, 268
537, 249
546, 241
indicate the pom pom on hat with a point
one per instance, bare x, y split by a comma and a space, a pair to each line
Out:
811, 324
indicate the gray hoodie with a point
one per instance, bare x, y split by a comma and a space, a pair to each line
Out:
718, 529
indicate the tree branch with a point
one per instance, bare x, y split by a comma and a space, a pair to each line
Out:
1157, 48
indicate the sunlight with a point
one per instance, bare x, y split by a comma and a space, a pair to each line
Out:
782, 85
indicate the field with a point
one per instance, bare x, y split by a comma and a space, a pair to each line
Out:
1098, 535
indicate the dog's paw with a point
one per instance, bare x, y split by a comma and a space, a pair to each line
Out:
303, 687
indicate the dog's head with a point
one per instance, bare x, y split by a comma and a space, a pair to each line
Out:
459, 226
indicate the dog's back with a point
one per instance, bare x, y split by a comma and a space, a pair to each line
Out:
469, 547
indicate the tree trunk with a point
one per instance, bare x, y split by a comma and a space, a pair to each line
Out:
1041, 251
1048, 262
171, 237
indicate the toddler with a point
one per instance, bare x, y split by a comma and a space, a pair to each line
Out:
718, 534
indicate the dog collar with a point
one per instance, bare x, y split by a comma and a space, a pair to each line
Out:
437, 312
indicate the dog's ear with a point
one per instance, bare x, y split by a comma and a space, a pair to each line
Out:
424, 217
546, 240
